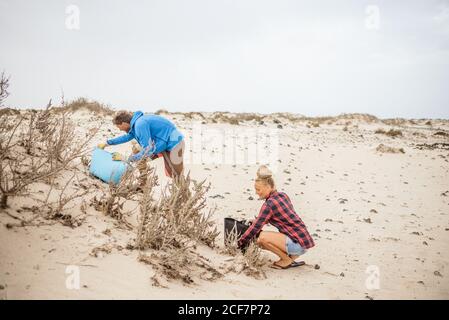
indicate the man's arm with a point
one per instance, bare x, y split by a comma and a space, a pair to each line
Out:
147, 152
263, 217
119, 140
150, 150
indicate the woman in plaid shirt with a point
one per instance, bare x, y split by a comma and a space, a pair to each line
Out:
293, 239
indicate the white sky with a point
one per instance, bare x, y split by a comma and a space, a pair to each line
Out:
306, 57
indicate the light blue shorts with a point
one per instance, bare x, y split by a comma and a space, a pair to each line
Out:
293, 248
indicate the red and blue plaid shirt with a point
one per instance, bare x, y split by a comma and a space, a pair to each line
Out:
278, 211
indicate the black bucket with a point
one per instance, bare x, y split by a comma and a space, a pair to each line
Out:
230, 223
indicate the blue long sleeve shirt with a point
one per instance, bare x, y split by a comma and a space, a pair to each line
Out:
153, 133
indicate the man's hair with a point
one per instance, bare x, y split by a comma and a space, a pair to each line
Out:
122, 116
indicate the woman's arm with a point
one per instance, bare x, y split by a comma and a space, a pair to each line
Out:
264, 216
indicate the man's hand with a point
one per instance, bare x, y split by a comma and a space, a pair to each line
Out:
136, 148
117, 157
102, 145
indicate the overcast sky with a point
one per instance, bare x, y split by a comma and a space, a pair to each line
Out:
387, 58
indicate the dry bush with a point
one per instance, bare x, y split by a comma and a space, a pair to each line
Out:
161, 111
419, 134
386, 149
176, 219
253, 261
292, 117
105, 248
231, 242
171, 226
179, 264
441, 133
369, 118
433, 146
391, 133
16, 173
4, 84
83, 103
9, 112
223, 117
111, 203
37, 146
240, 117
249, 261
191, 115
55, 210
34, 147
394, 133
395, 122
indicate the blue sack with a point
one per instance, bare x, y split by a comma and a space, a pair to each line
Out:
102, 166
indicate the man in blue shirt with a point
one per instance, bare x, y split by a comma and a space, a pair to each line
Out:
156, 135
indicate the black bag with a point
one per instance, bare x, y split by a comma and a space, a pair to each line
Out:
240, 226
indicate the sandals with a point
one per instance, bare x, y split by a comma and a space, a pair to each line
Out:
292, 265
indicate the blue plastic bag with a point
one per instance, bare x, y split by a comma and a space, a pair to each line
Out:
102, 166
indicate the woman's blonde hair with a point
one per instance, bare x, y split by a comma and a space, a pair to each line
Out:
265, 176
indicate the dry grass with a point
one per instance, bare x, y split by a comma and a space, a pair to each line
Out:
386, 149
241, 117
36, 146
4, 85
40, 146
85, 104
433, 146
182, 264
112, 202
171, 227
231, 242
223, 117
55, 210
248, 261
441, 134
391, 133
176, 219
395, 122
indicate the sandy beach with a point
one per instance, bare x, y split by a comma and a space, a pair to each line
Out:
376, 204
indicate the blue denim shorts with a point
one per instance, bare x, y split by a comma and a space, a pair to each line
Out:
293, 248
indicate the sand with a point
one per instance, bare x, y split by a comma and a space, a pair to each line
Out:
379, 216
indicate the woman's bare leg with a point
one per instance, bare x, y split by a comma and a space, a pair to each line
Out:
275, 242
